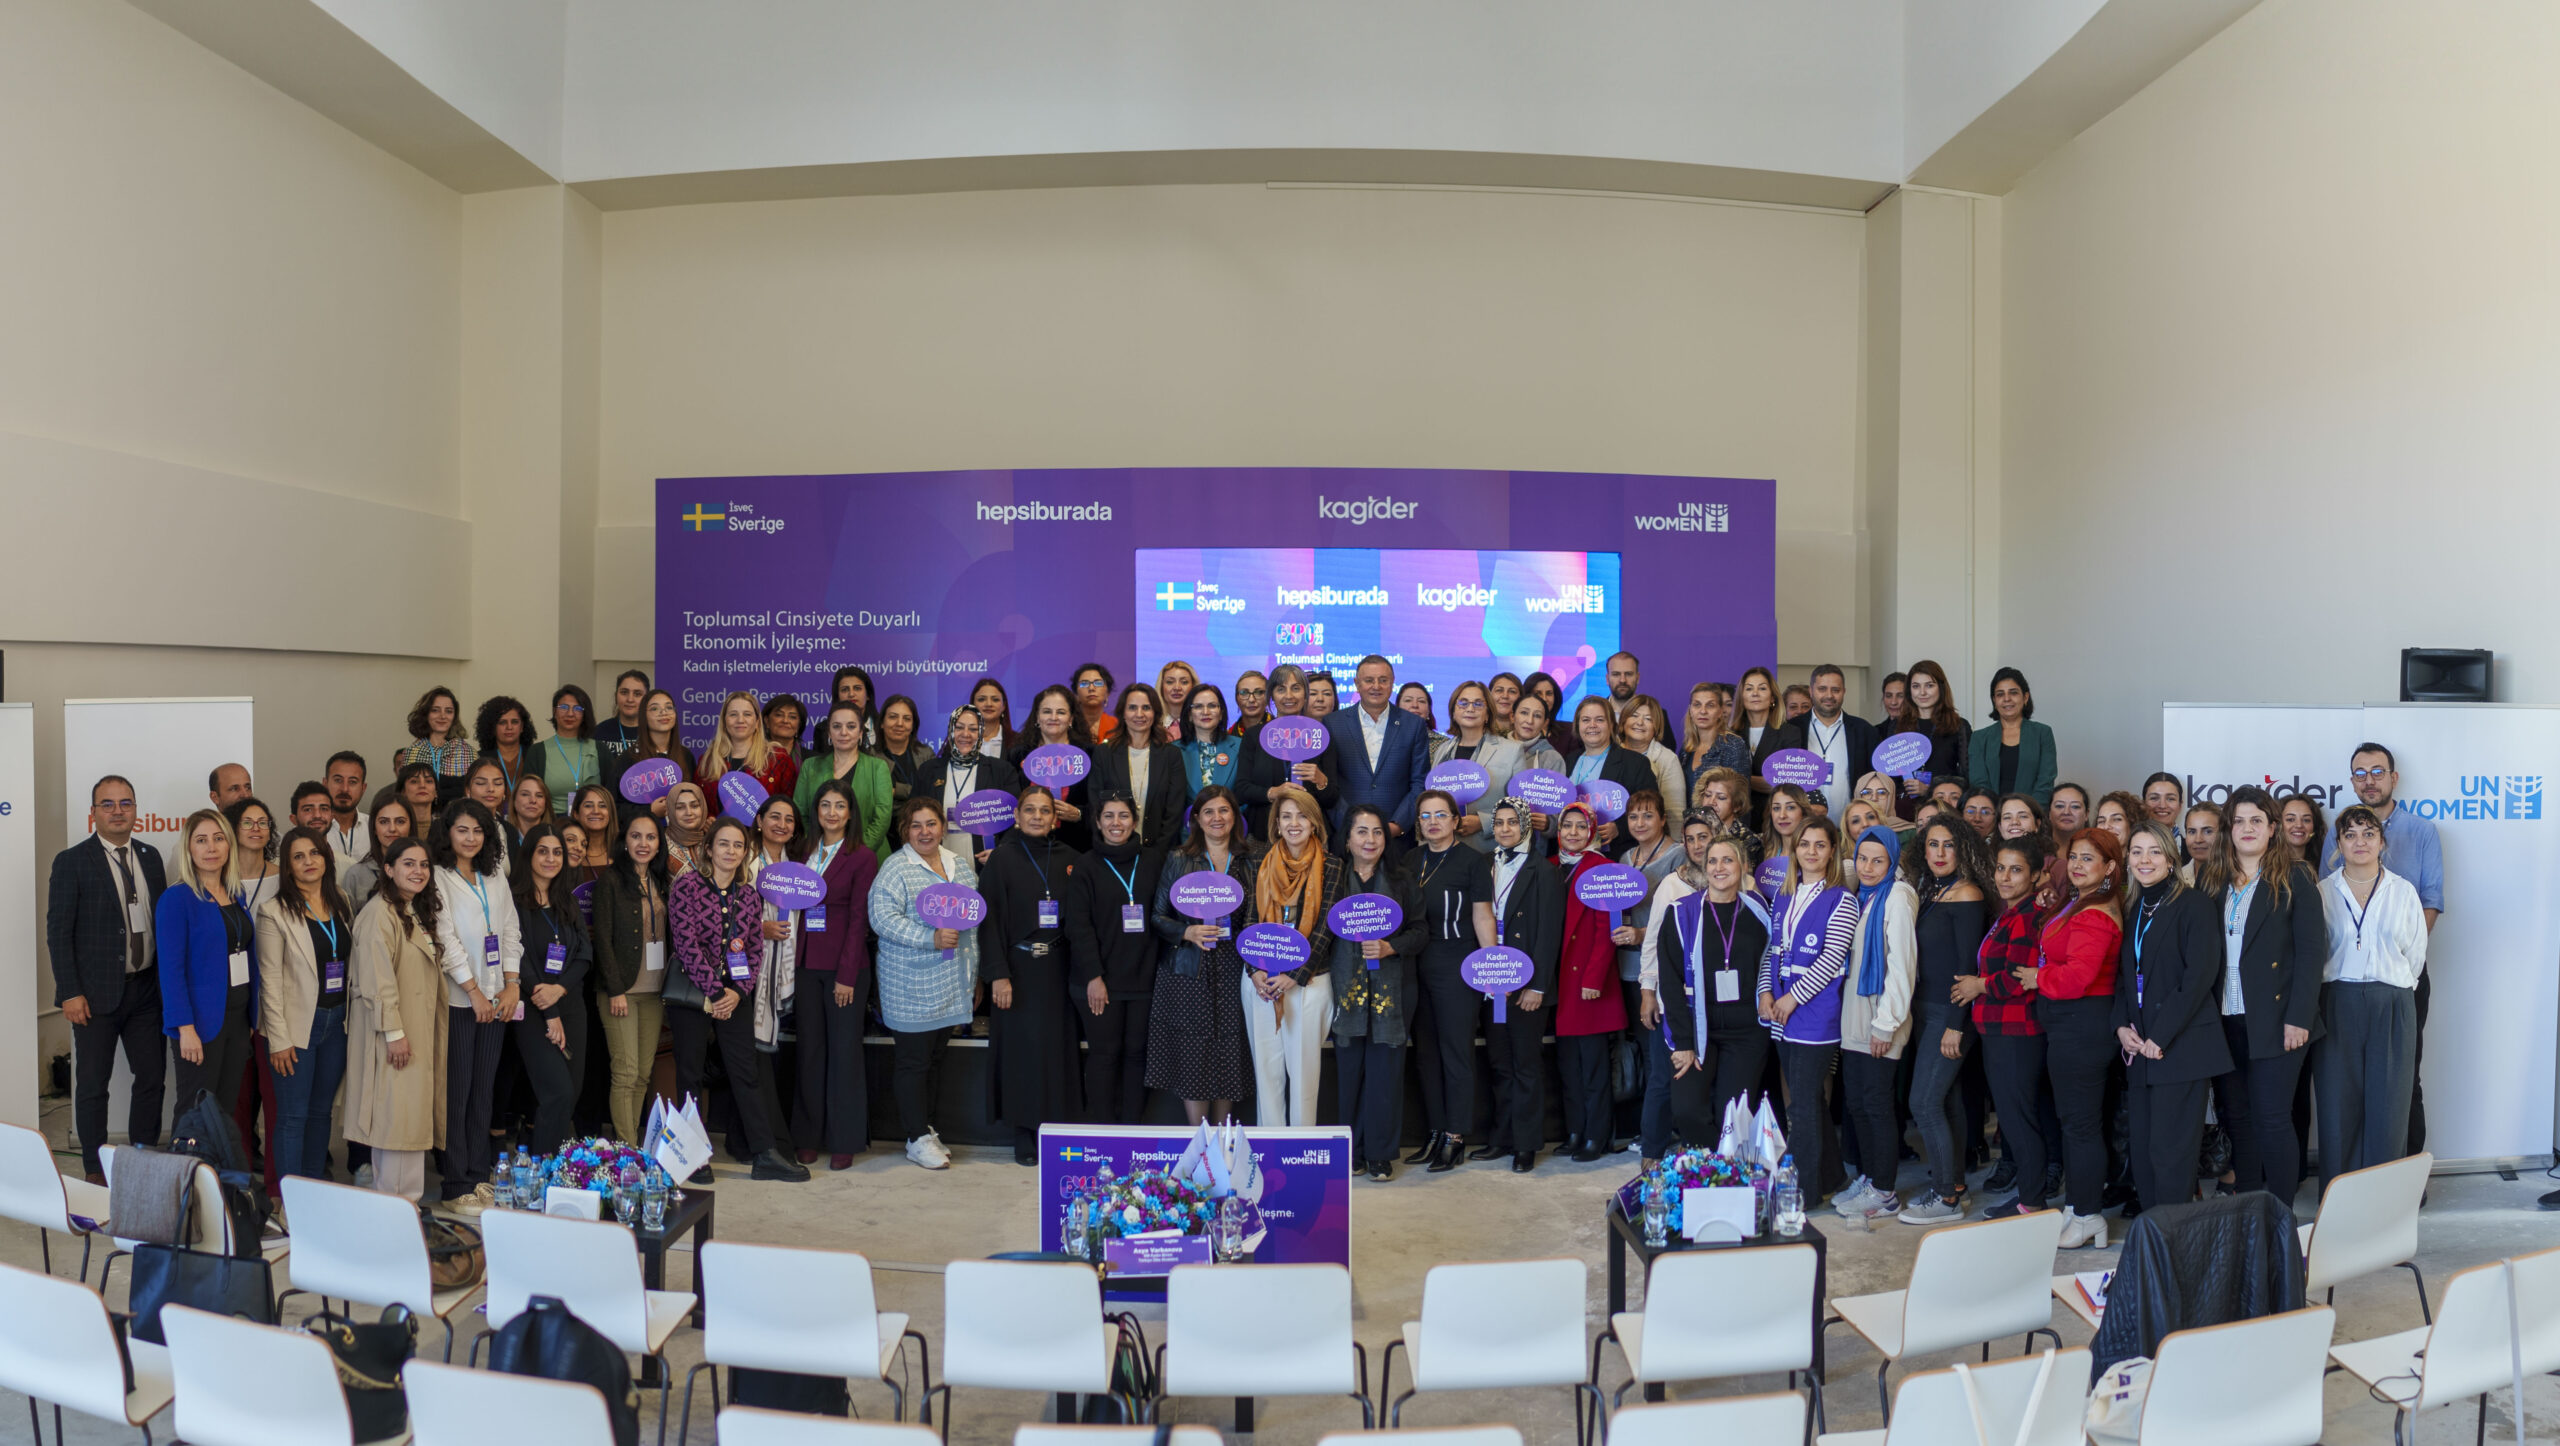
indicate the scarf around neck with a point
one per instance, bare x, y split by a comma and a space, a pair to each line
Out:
1871, 904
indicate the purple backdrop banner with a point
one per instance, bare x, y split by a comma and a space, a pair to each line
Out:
930, 579
1304, 1203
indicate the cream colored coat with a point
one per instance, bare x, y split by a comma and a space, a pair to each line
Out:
398, 988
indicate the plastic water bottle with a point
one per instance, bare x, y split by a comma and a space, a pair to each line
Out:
1790, 1199
528, 1187
502, 1182
1071, 1234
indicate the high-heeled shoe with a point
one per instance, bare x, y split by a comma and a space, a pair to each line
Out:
1487, 1152
1427, 1151
1452, 1150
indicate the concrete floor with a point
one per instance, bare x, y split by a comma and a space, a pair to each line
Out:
909, 1221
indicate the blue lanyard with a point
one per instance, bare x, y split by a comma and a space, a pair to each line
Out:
2356, 915
329, 927
1128, 881
1045, 890
827, 854
482, 890
2143, 932
577, 766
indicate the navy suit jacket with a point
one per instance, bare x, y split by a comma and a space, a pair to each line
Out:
1403, 758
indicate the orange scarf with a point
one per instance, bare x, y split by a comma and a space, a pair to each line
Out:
1285, 880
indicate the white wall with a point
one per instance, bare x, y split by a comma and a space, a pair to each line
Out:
2280, 373
1960, 56
501, 62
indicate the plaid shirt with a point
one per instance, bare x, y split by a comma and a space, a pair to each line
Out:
2005, 1007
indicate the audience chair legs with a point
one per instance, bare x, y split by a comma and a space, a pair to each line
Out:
2424, 1313
687, 1425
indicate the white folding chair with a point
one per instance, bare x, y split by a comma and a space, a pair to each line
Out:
2471, 1349
2248, 1383
2368, 1222
749, 1426
594, 1268
1777, 1419
1262, 1330
365, 1248
1497, 1435
1022, 1325
56, 1345
453, 1406
242, 1384
1933, 1410
1970, 1284
1497, 1324
212, 1230
777, 1308
33, 1191
1035, 1433
1709, 1314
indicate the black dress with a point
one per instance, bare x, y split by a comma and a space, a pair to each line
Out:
1035, 1070
1195, 1028
1111, 880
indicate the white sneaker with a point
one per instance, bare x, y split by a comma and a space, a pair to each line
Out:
1858, 1187
364, 1176
926, 1150
2083, 1230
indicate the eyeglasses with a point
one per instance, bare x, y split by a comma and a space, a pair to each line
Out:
2372, 773
1090, 683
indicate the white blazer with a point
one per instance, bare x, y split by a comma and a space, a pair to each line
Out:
461, 928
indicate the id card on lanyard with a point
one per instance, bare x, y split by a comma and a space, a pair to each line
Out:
813, 919
490, 954
1133, 919
1048, 902
741, 963
333, 971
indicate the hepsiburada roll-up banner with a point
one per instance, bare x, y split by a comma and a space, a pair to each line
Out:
2476, 771
930, 580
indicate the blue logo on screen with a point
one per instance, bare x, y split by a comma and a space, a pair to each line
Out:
2487, 798
2523, 796
1174, 597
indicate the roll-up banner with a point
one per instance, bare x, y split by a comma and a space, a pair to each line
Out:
21, 1073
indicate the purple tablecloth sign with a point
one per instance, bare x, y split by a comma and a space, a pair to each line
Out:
648, 780
741, 794
1364, 917
1904, 755
1543, 789
1612, 887
983, 814
1463, 779
1495, 972
789, 886
1056, 766
949, 906
1799, 766
1607, 800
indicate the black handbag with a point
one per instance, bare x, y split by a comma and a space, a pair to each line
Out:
370, 1358
1626, 1069
223, 1284
547, 1340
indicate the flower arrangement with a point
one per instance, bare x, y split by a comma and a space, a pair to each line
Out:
1154, 1200
592, 1164
1685, 1170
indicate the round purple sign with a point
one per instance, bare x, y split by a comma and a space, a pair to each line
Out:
1294, 739
1056, 765
1206, 894
1612, 887
1801, 767
987, 811
1771, 876
1606, 800
1273, 948
1495, 972
949, 906
1463, 779
1363, 917
791, 886
741, 794
1543, 789
1902, 755
648, 780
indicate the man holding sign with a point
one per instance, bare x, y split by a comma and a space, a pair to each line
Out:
1841, 740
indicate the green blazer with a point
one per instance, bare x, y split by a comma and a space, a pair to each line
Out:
2037, 759
870, 793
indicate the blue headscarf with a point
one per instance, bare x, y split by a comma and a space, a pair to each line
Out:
1871, 898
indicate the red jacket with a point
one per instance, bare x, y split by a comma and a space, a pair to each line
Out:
781, 774
2076, 955
1587, 960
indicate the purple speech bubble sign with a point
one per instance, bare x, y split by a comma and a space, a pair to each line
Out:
791, 886
1294, 739
1606, 800
950, 906
1055, 766
1463, 779
1614, 888
741, 794
649, 780
1273, 948
1364, 917
1800, 766
1770, 877
987, 812
1543, 789
1903, 755
1206, 894
1495, 972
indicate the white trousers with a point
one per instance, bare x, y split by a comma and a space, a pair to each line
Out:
1288, 1054
402, 1173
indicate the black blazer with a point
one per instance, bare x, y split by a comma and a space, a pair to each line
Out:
1168, 791
1097, 947
1861, 738
1257, 773
2181, 972
84, 920
577, 950
1624, 767
1532, 919
2281, 956
992, 773
620, 942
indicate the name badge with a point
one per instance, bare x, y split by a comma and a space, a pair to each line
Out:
1728, 985
489, 950
814, 918
239, 967
1133, 920
1048, 913
655, 959
138, 917
333, 976
739, 968
555, 958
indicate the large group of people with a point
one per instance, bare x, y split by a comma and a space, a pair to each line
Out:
493, 948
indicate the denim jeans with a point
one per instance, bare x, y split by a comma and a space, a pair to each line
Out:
306, 1097
1936, 1109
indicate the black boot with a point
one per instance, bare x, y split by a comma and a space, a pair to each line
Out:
775, 1165
1487, 1152
1452, 1150
1427, 1151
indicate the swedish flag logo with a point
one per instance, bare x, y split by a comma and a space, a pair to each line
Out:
704, 520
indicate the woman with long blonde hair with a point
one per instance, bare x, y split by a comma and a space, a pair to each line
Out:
740, 745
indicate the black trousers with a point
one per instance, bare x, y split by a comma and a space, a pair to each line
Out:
750, 1083
1447, 1016
2417, 1076
470, 1083
2255, 1101
1582, 1071
226, 1056
2014, 1064
1734, 1060
135, 1024
1369, 1086
2167, 1123
2080, 1046
1867, 1090
1810, 1136
1519, 1079
911, 1078
1115, 1056
831, 1099
551, 1076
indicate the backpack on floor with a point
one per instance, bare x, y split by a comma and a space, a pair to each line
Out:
207, 1131
546, 1340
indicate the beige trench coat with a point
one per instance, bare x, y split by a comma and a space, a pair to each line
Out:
398, 987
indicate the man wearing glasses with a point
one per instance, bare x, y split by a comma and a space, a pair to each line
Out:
2411, 849
106, 977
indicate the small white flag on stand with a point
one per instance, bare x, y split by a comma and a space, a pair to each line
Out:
684, 1146
1769, 1143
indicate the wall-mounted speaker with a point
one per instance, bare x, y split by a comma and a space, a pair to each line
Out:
2446, 675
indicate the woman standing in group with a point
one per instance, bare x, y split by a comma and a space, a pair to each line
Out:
2015, 754
741, 747
1288, 1015
658, 738
1561, 734
786, 724
528, 808
1710, 942
1649, 850
1529, 731
395, 1033
1789, 810
2165, 1021
831, 1110
1452, 887
253, 829
1642, 727
592, 809
1174, 682
1323, 699
2368, 1001
2073, 980
1725, 795
1092, 683
631, 968
2004, 1015
1260, 777
1416, 700
1591, 1011
1374, 987
437, 742
2067, 813
1053, 722
2116, 813
305, 939
481, 942
207, 945
1933, 711
715, 919
1253, 701
1196, 1024
1758, 712
960, 769
1951, 877
688, 811
864, 775
551, 1035
1113, 953
1528, 915
392, 821
567, 761
1501, 691
1471, 737
1138, 762
1816, 921
504, 731
2275, 944
995, 717
418, 786
1982, 814
928, 976
486, 785
1875, 1018
853, 685
1024, 948
2306, 829
1707, 739
907, 755
1209, 751
2020, 816
779, 839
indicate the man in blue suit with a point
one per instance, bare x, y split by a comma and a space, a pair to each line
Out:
1384, 751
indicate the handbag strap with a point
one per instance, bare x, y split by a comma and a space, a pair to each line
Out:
2026, 1421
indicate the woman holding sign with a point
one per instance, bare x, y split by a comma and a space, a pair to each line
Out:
551, 1037
1816, 920
1138, 762
1528, 915
717, 923
1933, 711
1453, 890
1287, 1015
865, 775
1261, 774
1111, 984
1590, 1009
657, 740
960, 769
741, 745
1195, 1032
1368, 937
1054, 723
1209, 752
928, 975
1028, 886
1473, 739
831, 1111
1529, 731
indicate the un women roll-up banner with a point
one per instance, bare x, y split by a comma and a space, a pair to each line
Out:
2477, 771
930, 580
